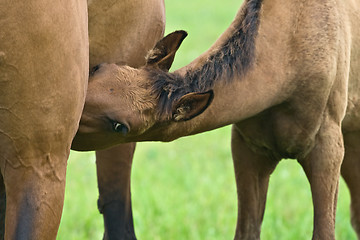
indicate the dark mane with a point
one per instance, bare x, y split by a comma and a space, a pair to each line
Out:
234, 57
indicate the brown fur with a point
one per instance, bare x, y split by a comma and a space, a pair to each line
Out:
44, 67
43, 81
111, 40
235, 56
290, 102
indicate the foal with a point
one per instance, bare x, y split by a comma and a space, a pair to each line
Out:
283, 74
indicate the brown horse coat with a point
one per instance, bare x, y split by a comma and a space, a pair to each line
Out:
285, 74
122, 33
43, 80
44, 65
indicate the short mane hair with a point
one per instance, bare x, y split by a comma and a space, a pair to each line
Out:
234, 57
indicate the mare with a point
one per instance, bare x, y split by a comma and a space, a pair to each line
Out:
43, 81
285, 74
44, 68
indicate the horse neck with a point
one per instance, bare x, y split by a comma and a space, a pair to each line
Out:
235, 100
242, 88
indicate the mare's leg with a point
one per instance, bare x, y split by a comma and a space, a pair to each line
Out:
350, 171
35, 195
322, 168
252, 172
43, 78
113, 171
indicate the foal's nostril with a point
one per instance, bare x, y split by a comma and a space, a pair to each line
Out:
94, 69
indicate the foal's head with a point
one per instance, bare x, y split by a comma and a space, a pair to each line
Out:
125, 104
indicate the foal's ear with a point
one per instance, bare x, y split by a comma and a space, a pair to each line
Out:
191, 105
162, 55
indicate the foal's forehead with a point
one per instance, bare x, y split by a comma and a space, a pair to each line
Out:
136, 87
126, 74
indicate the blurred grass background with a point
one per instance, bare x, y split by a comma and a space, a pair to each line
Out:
186, 189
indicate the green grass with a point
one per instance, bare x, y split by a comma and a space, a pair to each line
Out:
186, 189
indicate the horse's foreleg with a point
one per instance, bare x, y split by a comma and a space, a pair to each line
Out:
350, 171
322, 168
34, 196
252, 172
113, 171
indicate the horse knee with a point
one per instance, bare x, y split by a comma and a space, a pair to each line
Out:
34, 202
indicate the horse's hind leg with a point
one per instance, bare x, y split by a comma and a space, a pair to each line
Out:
113, 172
35, 197
43, 80
350, 171
252, 172
322, 168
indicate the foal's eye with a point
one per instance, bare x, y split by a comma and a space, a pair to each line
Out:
120, 128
